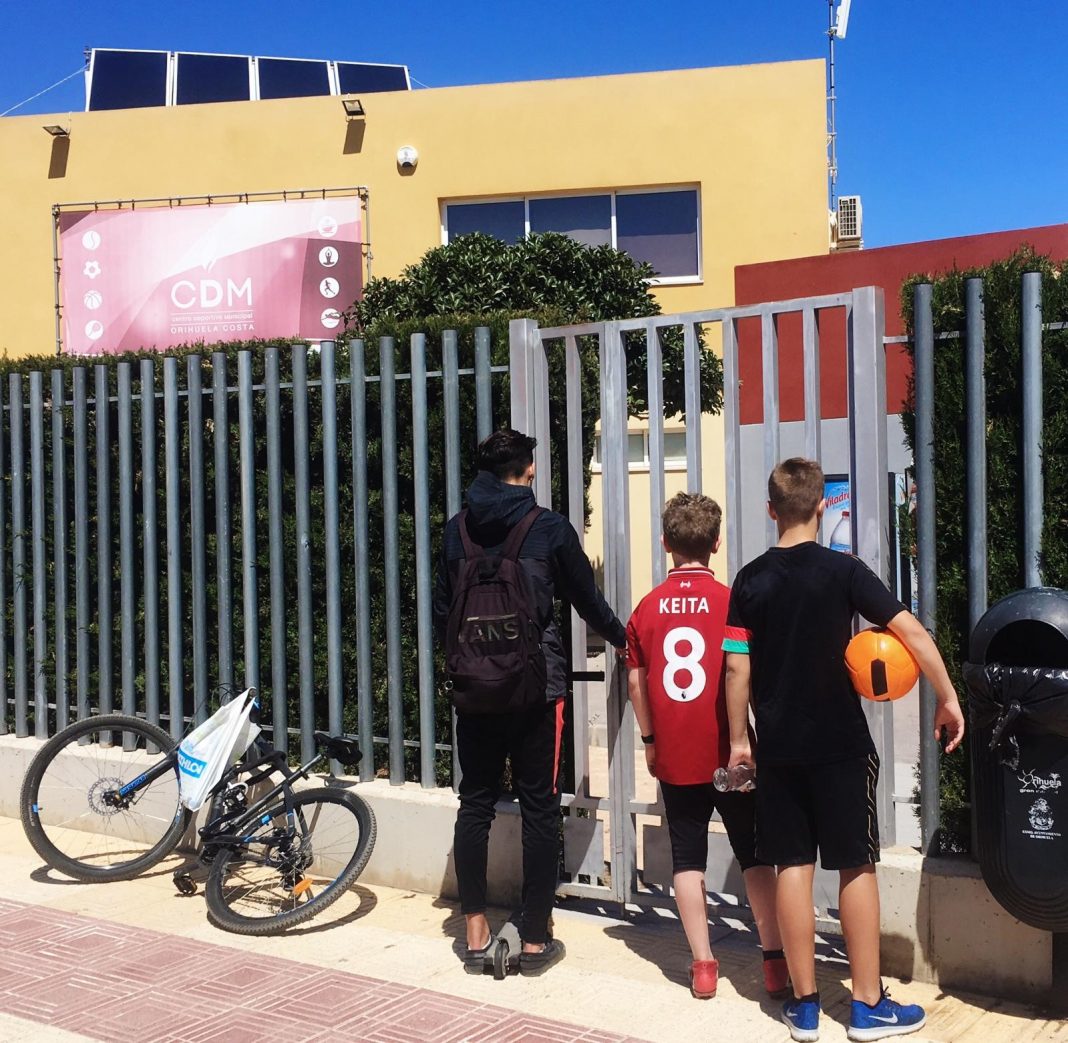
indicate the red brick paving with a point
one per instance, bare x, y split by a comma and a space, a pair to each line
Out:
129, 985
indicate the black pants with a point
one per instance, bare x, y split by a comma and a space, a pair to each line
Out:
532, 740
689, 810
829, 807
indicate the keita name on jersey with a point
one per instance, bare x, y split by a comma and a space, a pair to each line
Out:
680, 606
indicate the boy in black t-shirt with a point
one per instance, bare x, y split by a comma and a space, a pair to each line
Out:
788, 625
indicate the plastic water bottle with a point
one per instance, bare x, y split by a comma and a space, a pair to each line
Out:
842, 537
741, 778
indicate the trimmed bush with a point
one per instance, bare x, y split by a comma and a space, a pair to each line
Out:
1002, 282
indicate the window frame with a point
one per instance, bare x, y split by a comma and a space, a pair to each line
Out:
585, 194
672, 464
648, 190
478, 201
656, 280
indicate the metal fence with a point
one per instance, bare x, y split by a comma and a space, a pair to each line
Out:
165, 536
973, 331
534, 368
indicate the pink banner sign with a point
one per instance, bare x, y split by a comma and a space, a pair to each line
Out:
155, 277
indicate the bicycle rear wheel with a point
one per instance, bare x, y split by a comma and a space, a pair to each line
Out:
71, 810
291, 870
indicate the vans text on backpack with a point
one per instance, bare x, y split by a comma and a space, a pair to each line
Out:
493, 653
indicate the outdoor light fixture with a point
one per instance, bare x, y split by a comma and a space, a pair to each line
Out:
353, 108
57, 131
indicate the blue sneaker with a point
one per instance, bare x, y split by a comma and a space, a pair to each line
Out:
886, 1018
802, 1017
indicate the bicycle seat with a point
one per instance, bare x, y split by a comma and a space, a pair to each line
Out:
339, 747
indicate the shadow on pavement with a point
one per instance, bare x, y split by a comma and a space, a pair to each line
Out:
327, 922
368, 900
454, 926
661, 946
45, 874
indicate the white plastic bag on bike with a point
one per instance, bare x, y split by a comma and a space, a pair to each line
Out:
210, 748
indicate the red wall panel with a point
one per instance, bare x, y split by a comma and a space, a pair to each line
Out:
887, 267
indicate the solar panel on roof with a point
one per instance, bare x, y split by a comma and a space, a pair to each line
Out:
128, 79
136, 79
212, 77
357, 78
292, 78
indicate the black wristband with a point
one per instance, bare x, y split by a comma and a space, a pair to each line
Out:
648, 739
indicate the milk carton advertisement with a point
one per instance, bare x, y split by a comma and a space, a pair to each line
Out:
837, 533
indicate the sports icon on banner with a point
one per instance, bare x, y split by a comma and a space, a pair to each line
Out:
138, 278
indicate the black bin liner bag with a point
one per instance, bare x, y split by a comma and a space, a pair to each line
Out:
1019, 719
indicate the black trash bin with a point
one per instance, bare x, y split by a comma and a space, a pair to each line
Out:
1018, 683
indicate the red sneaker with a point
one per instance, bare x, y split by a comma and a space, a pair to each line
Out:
776, 977
704, 977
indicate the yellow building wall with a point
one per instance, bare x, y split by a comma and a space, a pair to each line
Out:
751, 138
639, 491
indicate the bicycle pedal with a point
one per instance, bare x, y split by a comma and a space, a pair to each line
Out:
185, 884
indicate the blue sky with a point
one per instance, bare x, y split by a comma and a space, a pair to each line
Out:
950, 113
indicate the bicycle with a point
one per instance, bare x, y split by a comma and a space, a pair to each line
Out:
94, 811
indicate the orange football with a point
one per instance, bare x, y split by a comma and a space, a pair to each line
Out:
880, 665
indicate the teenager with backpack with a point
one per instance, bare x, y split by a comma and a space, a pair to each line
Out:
504, 562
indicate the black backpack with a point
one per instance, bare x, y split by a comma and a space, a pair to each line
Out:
493, 654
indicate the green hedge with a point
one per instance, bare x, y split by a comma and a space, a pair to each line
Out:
1002, 295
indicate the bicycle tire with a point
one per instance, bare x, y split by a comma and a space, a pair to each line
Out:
232, 880
40, 793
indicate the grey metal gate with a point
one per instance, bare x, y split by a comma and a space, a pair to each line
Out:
617, 808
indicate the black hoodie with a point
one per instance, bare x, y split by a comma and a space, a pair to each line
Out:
551, 556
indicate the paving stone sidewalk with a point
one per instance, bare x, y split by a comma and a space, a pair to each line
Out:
126, 984
134, 961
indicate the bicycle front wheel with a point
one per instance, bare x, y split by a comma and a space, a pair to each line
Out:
72, 810
293, 866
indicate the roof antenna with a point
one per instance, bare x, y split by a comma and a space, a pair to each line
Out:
837, 21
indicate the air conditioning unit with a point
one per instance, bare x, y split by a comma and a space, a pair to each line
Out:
847, 224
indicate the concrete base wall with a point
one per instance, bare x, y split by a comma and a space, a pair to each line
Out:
940, 923
415, 827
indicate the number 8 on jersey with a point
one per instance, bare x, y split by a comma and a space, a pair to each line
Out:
690, 664
676, 635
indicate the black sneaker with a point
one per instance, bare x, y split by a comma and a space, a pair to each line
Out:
535, 963
475, 959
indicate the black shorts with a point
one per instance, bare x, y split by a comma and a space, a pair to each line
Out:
829, 807
689, 810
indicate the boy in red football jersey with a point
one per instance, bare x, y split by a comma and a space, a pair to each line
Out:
676, 682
